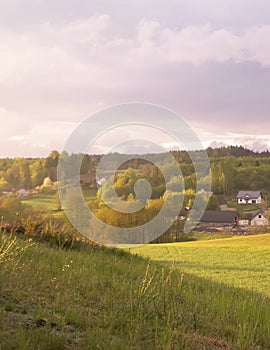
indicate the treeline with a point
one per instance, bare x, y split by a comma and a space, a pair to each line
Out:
27, 172
235, 151
232, 168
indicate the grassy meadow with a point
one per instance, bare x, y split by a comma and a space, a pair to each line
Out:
43, 201
242, 262
48, 202
100, 298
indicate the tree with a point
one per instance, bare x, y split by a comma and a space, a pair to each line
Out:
176, 184
13, 176
124, 185
51, 164
190, 181
25, 177
11, 208
4, 185
189, 196
212, 203
156, 177
38, 172
86, 164
216, 173
229, 166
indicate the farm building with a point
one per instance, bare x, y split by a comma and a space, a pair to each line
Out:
259, 218
217, 219
249, 197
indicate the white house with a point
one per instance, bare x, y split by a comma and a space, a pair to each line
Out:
243, 223
259, 219
249, 197
22, 192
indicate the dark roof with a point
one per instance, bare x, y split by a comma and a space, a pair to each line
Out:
87, 178
248, 194
226, 216
255, 213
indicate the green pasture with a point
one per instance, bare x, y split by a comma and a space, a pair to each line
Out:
48, 202
42, 201
242, 262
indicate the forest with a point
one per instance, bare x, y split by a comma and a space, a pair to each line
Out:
232, 168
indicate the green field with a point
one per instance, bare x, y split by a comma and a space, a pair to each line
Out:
48, 202
237, 261
42, 201
108, 299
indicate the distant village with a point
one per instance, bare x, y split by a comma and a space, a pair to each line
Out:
229, 219
25, 192
223, 218
240, 182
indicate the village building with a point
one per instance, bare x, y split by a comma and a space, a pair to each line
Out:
22, 192
243, 223
218, 219
249, 197
259, 218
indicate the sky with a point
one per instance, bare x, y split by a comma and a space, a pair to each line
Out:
62, 61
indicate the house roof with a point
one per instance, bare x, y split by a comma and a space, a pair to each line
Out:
87, 178
257, 212
248, 194
226, 216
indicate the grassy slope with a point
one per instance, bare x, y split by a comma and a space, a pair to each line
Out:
238, 261
109, 299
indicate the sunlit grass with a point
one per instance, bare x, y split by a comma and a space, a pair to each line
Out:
7, 248
100, 298
42, 201
238, 261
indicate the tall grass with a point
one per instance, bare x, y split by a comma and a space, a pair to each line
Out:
7, 248
100, 298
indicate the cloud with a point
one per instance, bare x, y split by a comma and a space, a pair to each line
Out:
22, 137
63, 71
85, 51
257, 143
201, 44
134, 139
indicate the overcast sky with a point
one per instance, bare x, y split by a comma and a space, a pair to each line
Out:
61, 61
